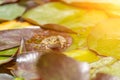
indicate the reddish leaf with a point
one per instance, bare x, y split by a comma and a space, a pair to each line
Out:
102, 76
36, 39
8, 1
57, 66
48, 39
11, 38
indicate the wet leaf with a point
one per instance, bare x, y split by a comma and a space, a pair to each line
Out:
11, 11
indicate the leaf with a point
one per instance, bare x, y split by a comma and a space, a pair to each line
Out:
9, 63
8, 52
7, 1
36, 39
14, 25
82, 55
22, 69
11, 11
6, 77
44, 1
11, 38
54, 13
102, 76
50, 65
78, 20
48, 39
57, 66
57, 27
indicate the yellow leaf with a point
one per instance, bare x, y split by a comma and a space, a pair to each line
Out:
13, 25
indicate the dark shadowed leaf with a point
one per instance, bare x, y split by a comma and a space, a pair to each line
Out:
102, 76
57, 66
4, 66
28, 3
9, 63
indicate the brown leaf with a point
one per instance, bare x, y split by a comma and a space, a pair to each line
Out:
57, 27
103, 76
9, 1
57, 66
11, 38
48, 39
25, 66
35, 39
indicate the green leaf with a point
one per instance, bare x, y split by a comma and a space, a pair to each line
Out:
55, 12
8, 52
11, 11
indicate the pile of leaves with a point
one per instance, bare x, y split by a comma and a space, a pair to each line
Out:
48, 40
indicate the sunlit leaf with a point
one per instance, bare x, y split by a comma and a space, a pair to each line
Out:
55, 12
14, 25
82, 55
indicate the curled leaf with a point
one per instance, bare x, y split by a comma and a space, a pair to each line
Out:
57, 28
